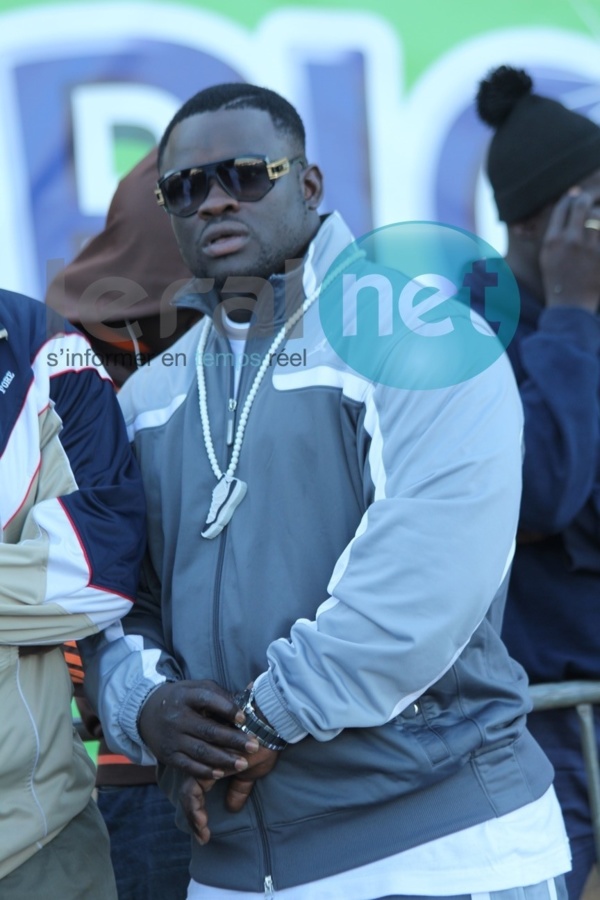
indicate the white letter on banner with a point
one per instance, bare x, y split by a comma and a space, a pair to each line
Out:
97, 109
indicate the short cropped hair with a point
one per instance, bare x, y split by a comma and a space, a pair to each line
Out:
239, 95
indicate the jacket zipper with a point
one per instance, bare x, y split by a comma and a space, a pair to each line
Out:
216, 605
231, 408
268, 882
222, 678
232, 405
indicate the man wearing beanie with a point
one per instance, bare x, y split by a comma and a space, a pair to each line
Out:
544, 167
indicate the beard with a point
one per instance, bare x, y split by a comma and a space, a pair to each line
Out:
270, 251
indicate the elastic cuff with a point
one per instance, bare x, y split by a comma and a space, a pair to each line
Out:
272, 706
130, 712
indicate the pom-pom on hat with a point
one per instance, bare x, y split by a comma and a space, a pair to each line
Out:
540, 148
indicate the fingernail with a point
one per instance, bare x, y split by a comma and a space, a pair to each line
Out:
252, 746
240, 718
218, 773
241, 765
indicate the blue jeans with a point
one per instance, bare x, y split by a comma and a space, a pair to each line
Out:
149, 854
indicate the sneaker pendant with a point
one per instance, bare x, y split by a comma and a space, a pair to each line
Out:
226, 497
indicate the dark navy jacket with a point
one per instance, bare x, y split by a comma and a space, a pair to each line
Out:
552, 619
71, 538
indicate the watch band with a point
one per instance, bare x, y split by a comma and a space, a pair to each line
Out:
256, 727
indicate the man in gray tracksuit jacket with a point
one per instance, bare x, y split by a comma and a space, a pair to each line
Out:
359, 584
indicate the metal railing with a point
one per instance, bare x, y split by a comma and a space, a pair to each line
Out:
583, 695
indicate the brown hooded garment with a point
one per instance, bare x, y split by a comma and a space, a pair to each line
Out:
118, 289
118, 292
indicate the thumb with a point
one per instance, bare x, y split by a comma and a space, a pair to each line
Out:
237, 794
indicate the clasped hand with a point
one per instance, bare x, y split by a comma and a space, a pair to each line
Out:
192, 793
191, 725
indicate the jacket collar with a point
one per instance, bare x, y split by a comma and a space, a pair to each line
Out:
282, 294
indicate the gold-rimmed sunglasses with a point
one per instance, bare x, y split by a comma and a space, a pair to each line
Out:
246, 178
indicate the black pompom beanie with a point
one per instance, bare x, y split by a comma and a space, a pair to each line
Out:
540, 148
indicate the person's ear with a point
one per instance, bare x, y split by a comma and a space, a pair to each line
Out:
526, 230
312, 186
533, 227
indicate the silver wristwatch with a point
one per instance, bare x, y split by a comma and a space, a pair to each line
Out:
256, 727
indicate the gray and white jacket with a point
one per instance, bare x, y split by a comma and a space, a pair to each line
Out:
361, 580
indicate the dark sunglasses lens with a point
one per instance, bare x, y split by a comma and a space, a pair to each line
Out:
245, 181
185, 191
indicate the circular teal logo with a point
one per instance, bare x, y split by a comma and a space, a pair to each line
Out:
419, 305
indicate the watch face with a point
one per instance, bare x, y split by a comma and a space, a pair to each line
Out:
242, 698
255, 727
